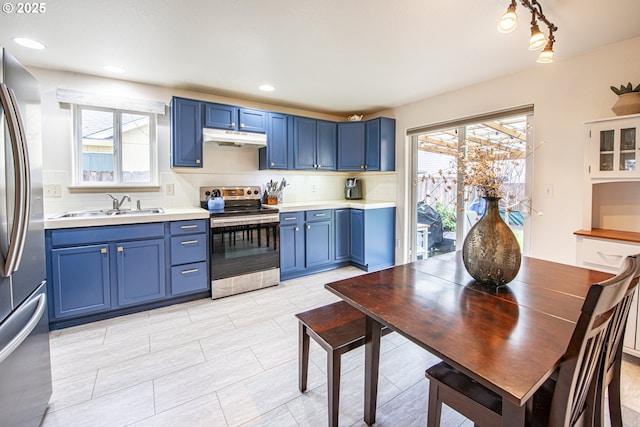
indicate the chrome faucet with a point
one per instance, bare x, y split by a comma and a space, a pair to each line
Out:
118, 204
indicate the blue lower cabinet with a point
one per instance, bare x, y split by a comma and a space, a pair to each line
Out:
79, 280
140, 267
189, 271
373, 238
357, 236
319, 239
342, 218
99, 272
291, 244
188, 278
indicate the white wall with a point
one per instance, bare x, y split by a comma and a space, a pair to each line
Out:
222, 166
565, 94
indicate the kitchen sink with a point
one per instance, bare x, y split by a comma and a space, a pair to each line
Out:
108, 212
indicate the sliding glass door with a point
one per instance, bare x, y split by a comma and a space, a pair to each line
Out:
445, 209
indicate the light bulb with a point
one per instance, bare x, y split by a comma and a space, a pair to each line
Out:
546, 56
537, 39
509, 20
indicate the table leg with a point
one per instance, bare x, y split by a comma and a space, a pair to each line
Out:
513, 415
371, 365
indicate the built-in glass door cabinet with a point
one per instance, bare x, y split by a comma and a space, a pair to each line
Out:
611, 228
221, 116
615, 147
186, 133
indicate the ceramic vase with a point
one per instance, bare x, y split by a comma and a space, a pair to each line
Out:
491, 252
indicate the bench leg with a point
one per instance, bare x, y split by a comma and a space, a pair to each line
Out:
303, 356
333, 386
435, 405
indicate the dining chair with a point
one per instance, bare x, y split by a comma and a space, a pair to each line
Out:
609, 376
567, 397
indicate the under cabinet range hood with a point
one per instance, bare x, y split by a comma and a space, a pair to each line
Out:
232, 138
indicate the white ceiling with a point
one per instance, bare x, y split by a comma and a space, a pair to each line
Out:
333, 56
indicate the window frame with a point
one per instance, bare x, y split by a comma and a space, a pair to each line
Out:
118, 182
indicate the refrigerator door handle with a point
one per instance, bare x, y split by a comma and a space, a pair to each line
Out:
24, 208
16, 240
41, 301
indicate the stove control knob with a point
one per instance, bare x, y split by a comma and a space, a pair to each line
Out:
255, 191
248, 192
207, 193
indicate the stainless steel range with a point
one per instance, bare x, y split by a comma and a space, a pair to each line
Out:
245, 241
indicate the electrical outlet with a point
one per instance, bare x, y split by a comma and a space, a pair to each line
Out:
314, 188
169, 190
52, 190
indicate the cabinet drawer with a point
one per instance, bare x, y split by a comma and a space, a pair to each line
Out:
188, 227
186, 249
85, 235
606, 253
290, 217
319, 215
189, 278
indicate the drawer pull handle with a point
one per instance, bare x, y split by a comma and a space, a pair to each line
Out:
289, 218
320, 214
193, 270
189, 242
188, 226
610, 255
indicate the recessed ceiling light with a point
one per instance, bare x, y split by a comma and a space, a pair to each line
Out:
113, 69
30, 43
266, 88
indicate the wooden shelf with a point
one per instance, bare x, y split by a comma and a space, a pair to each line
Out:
602, 233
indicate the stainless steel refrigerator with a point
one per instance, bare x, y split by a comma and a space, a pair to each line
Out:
25, 366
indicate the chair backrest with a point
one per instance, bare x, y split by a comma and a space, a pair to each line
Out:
615, 334
584, 353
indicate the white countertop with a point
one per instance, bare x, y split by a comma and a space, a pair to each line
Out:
333, 204
179, 214
170, 214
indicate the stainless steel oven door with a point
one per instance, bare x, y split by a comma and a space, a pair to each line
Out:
240, 246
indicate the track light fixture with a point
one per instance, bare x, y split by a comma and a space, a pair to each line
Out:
509, 21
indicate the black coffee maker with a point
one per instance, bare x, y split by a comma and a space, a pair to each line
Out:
353, 189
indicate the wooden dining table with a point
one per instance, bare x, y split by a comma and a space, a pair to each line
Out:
510, 338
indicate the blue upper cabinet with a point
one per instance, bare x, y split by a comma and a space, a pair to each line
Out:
221, 116
380, 150
276, 154
314, 144
304, 143
326, 144
186, 133
367, 146
252, 120
351, 146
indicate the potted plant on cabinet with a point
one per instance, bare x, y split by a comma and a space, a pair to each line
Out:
628, 99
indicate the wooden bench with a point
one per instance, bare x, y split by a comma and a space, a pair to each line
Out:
337, 328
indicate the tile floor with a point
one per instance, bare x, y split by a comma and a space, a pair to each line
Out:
233, 362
